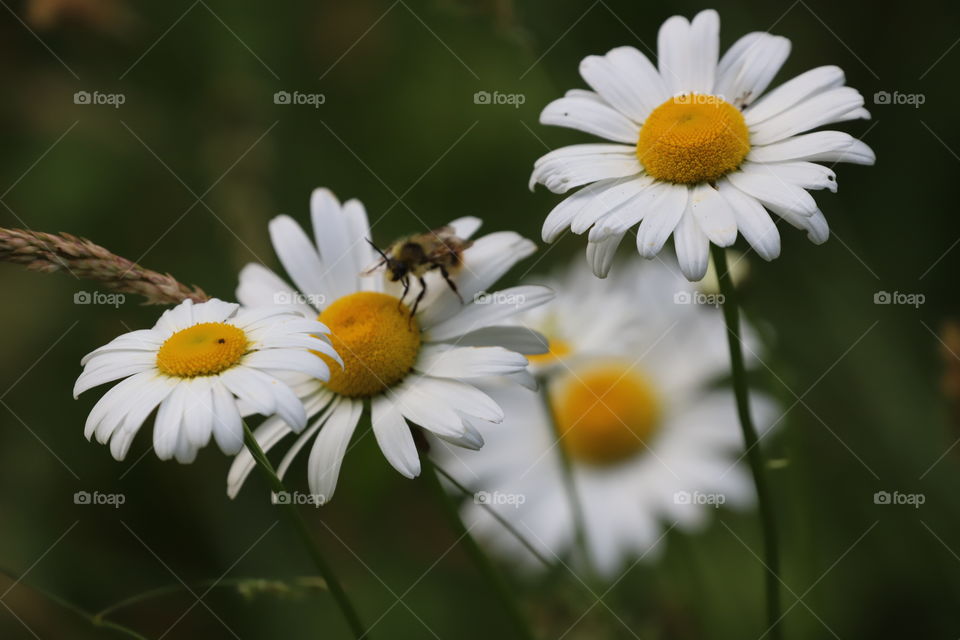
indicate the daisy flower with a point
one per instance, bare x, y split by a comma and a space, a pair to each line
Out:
699, 152
420, 367
628, 397
200, 364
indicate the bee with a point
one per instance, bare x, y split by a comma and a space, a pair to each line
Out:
416, 255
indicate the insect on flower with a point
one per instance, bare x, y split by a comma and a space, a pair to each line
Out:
415, 255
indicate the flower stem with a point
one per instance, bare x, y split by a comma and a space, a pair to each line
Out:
731, 315
95, 620
480, 559
580, 540
300, 526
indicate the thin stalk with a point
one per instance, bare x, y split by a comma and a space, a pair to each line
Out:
300, 527
94, 620
496, 516
731, 315
479, 558
257, 584
573, 496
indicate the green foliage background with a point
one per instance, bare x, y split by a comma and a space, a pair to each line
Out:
400, 130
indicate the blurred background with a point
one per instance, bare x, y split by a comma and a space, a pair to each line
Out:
180, 151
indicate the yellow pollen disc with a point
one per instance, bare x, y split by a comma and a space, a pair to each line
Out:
377, 339
693, 138
605, 413
202, 350
557, 349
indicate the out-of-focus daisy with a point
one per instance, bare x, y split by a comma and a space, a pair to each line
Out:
199, 363
422, 368
627, 394
700, 152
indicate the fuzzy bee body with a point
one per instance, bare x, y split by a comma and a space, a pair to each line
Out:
415, 255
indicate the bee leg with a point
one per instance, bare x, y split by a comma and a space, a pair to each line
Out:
416, 303
450, 283
406, 289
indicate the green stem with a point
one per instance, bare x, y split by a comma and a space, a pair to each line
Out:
496, 516
480, 559
300, 526
226, 583
94, 620
573, 496
731, 315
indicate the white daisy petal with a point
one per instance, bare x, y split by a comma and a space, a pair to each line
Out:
600, 254
693, 247
632, 211
579, 164
515, 338
748, 67
794, 92
488, 311
298, 256
825, 108
563, 214
753, 221
592, 117
614, 203
820, 146
772, 190
804, 174
627, 81
260, 286
326, 456
394, 437
336, 244
291, 360
713, 215
307, 435
466, 226
267, 435
448, 361
657, 226
227, 424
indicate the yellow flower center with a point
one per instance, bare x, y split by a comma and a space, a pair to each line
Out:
202, 350
605, 413
556, 349
693, 138
377, 339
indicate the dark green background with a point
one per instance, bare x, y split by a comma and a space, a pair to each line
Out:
400, 130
